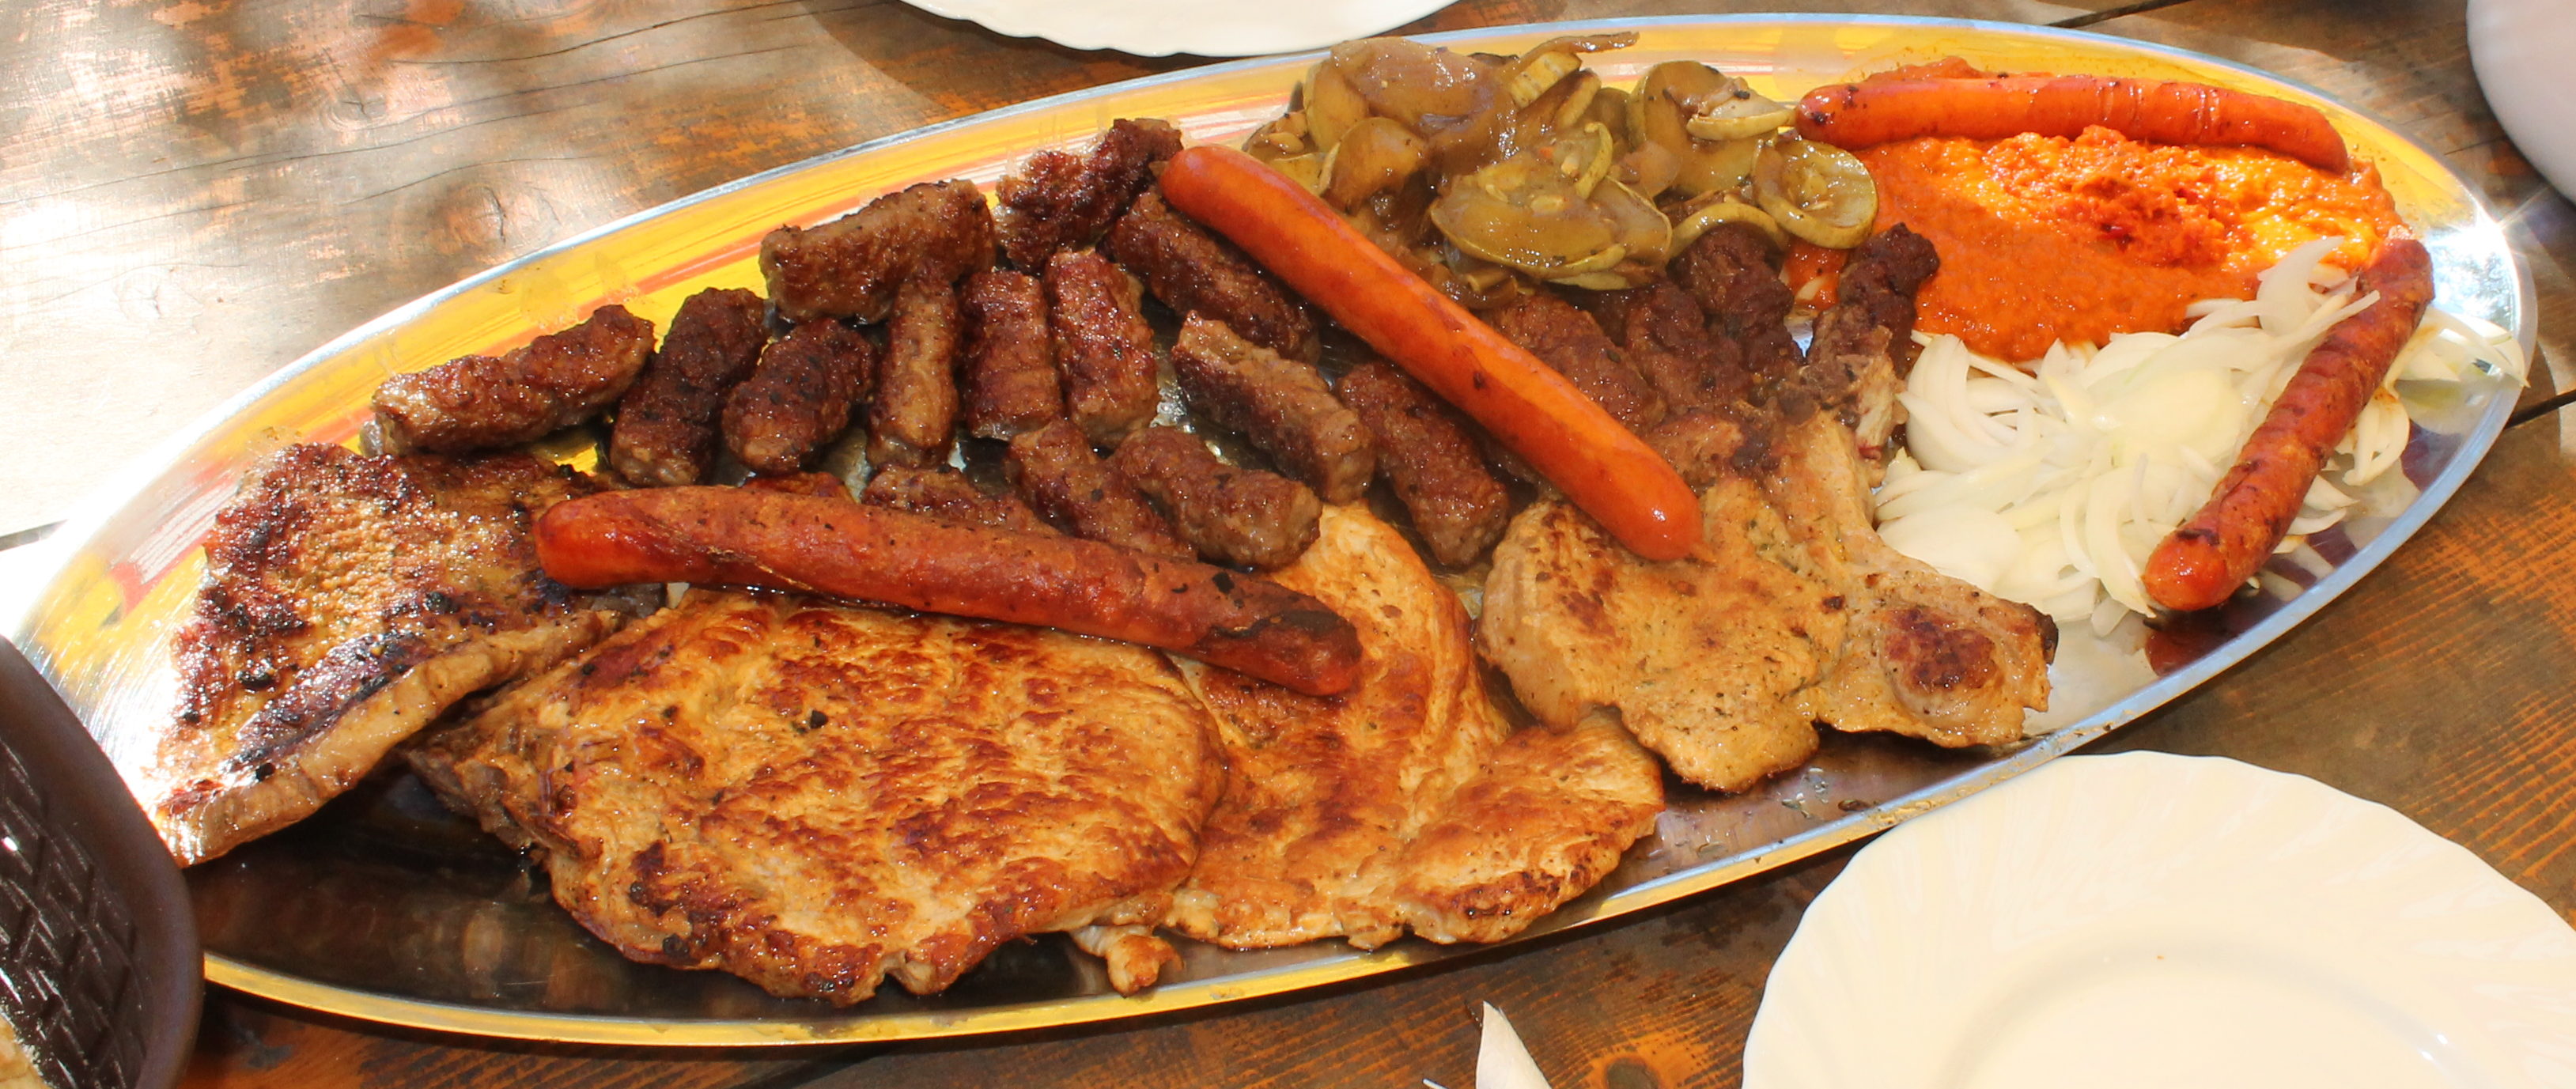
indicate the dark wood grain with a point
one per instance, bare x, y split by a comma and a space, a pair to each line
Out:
195, 192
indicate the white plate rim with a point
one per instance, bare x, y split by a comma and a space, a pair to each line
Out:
1873, 987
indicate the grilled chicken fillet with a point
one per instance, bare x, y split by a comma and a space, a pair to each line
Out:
350, 599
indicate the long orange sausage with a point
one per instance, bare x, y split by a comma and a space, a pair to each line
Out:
1606, 470
2200, 565
1857, 115
814, 544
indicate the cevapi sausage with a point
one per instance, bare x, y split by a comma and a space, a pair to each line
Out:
851, 550
1608, 472
2201, 564
1878, 111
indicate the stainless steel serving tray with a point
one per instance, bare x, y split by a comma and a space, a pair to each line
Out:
384, 907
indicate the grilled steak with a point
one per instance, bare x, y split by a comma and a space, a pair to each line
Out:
799, 397
479, 402
1195, 272
349, 600
1734, 276
1011, 381
913, 418
1055, 470
666, 423
1243, 517
851, 267
1864, 343
1662, 334
1102, 345
1062, 201
816, 797
1281, 405
1406, 801
1429, 457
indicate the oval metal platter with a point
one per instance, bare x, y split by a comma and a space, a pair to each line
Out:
385, 907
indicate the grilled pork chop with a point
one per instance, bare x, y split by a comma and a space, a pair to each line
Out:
814, 797
348, 600
1796, 614
1703, 656
1406, 801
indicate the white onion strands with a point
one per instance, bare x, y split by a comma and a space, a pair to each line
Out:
2050, 483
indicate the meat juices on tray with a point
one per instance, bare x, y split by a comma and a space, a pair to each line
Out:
1056, 471
851, 267
1427, 455
665, 432
1243, 517
1102, 345
1009, 368
480, 402
912, 418
1281, 405
1062, 201
1195, 272
799, 397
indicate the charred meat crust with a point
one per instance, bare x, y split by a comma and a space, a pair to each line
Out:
1195, 272
1102, 345
348, 600
480, 402
1055, 470
1243, 517
1010, 373
1281, 405
1428, 456
799, 397
1060, 201
665, 432
913, 417
852, 266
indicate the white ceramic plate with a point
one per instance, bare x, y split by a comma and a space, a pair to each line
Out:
2520, 49
1209, 28
2154, 920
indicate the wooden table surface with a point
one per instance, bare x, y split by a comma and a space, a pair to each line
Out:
196, 192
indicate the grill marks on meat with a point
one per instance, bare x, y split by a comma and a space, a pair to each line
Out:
799, 397
1567, 339
913, 418
1010, 374
1195, 272
1404, 802
1102, 345
817, 797
348, 600
480, 402
1243, 517
1055, 470
1427, 455
947, 495
665, 433
1282, 406
1060, 201
1864, 343
852, 266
